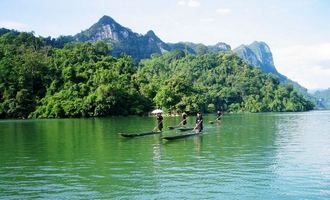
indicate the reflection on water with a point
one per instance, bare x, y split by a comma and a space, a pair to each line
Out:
247, 156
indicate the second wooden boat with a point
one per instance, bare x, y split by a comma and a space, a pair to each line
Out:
185, 129
175, 137
173, 127
215, 122
139, 134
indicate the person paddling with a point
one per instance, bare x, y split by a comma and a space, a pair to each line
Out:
184, 119
199, 122
159, 118
219, 115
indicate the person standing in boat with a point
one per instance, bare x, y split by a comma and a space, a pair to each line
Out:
219, 115
184, 119
199, 122
159, 121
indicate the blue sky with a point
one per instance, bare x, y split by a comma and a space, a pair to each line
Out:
297, 31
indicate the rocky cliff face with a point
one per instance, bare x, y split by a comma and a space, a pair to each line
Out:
257, 54
125, 41
106, 29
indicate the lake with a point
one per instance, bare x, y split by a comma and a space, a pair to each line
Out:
247, 156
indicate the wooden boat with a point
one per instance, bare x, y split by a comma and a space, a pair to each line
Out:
175, 137
215, 121
185, 129
173, 127
139, 134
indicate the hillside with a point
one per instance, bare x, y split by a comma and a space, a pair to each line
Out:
83, 80
125, 41
259, 54
186, 82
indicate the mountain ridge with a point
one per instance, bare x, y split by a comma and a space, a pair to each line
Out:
259, 54
141, 46
322, 98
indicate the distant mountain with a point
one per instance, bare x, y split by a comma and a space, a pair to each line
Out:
323, 98
200, 48
124, 40
4, 31
259, 54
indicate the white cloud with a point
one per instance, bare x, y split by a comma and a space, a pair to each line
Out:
181, 3
13, 25
309, 65
193, 3
189, 3
223, 11
209, 19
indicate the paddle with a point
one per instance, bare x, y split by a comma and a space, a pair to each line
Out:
217, 120
157, 126
180, 124
196, 125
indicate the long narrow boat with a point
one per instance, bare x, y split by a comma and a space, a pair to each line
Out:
174, 127
175, 137
215, 121
139, 134
185, 129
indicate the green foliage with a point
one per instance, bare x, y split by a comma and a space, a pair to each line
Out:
90, 83
181, 82
83, 80
24, 74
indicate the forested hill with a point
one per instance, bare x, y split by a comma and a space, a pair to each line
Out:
181, 82
123, 40
83, 80
258, 54
141, 46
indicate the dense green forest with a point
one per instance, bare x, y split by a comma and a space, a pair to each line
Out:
40, 80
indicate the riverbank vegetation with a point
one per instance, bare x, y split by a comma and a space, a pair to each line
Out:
38, 80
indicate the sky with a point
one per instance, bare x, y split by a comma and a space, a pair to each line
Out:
297, 31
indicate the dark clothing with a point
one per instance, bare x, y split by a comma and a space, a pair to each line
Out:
219, 115
199, 123
184, 119
160, 122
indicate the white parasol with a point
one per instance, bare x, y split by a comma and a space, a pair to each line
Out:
156, 111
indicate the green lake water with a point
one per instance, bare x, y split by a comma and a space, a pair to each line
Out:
247, 156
